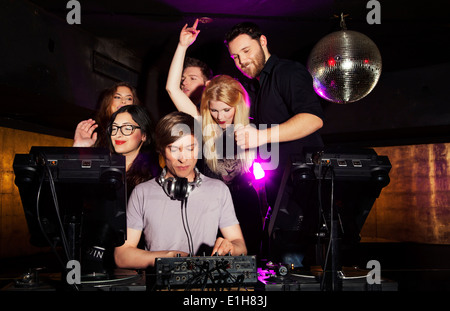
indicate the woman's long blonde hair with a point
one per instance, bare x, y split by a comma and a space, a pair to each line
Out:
228, 90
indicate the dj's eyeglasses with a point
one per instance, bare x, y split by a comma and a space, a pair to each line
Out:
126, 129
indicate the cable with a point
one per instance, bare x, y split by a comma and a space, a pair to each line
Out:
187, 225
332, 223
38, 214
325, 223
184, 227
187, 230
56, 205
319, 187
55, 201
218, 275
330, 242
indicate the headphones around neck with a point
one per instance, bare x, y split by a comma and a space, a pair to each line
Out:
178, 188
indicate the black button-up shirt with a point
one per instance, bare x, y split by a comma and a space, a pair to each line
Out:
284, 89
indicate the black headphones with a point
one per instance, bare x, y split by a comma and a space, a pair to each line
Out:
178, 188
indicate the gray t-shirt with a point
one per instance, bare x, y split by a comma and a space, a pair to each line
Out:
209, 207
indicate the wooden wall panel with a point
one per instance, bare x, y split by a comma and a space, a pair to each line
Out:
14, 236
415, 206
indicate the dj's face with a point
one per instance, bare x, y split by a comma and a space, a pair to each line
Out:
181, 158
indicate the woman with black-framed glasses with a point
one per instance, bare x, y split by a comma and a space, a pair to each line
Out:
130, 134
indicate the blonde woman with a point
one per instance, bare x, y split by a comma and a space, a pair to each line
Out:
224, 108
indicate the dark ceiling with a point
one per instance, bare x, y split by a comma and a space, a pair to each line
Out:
411, 33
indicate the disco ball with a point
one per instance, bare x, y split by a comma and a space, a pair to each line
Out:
345, 66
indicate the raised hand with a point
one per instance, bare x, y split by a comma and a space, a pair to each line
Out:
189, 34
84, 134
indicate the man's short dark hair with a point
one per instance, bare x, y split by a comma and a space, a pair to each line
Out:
247, 28
204, 68
173, 126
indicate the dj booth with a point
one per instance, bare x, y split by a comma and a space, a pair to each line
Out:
75, 200
323, 201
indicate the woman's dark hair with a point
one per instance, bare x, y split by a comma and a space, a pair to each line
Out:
145, 165
103, 115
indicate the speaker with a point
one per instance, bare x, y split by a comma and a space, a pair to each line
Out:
178, 188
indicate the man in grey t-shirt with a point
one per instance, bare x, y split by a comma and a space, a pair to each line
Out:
155, 207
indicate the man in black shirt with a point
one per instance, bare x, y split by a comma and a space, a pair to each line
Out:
284, 102
285, 109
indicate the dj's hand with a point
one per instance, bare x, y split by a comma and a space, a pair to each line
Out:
223, 247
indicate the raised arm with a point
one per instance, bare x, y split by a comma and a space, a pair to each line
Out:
298, 126
181, 100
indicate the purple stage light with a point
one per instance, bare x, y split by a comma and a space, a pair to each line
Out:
258, 172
